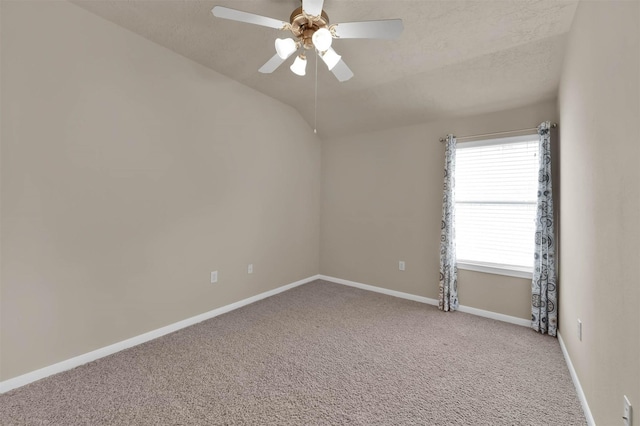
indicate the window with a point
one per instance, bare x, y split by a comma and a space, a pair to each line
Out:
496, 187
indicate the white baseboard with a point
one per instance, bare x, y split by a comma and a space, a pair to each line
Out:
494, 315
386, 291
576, 382
68, 364
461, 308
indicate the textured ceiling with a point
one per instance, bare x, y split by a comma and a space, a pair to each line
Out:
453, 58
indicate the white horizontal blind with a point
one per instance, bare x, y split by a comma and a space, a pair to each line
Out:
496, 187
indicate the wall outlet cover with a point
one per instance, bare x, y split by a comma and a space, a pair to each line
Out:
627, 413
579, 330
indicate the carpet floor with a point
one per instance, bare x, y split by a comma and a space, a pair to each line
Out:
321, 353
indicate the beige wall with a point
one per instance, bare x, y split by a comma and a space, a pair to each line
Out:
599, 106
382, 202
495, 293
128, 174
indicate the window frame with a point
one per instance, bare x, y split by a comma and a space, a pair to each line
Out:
488, 267
496, 269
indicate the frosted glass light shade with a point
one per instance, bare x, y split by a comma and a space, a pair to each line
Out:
322, 39
299, 65
285, 47
331, 58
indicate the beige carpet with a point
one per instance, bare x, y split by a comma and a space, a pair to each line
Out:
321, 353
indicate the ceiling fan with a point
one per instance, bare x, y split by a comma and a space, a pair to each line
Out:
310, 27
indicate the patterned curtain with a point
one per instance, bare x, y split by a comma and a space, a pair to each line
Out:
544, 306
448, 293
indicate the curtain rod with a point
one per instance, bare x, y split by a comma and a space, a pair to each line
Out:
553, 126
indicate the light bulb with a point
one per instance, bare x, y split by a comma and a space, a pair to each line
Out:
331, 58
299, 65
285, 47
322, 39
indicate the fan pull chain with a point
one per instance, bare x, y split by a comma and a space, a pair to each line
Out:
315, 102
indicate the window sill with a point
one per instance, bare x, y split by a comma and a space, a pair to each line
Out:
510, 271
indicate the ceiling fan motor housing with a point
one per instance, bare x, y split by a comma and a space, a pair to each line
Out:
303, 26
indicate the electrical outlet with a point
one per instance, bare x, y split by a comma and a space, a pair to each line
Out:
401, 265
250, 268
627, 413
214, 277
579, 330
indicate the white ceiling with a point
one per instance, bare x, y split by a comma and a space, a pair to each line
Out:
454, 57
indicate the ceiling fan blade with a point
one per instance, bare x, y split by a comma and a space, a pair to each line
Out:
312, 7
249, 18
342, 71
272, 64
387, 29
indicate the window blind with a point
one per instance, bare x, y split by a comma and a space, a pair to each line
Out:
496, 187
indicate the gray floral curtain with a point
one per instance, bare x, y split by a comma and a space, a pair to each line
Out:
544, 299
448, 293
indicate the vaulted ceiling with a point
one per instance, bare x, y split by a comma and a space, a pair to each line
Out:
453, 58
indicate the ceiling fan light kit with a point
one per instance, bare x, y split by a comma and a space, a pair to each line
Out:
322, 39
286, 47
299, 65
310, 26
